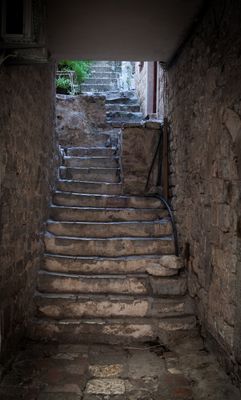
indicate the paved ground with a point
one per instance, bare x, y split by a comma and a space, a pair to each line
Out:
97, 372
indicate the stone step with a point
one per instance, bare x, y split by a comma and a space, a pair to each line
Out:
83, 162
124, 116
81, 214
85, 87
93, 80
111, 175
122, 100
111, 247
89, 140
99, 75
154, 264
122, 107
89, 187
142, 284
120, 94
110, 229
114, 331
91, 151
62, 306
98, 200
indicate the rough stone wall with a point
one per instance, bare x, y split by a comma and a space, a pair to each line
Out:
138, 147
204, 109
140, 85
26, 178
79, 118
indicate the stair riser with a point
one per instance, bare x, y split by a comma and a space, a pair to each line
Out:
110, 230
121, 285
67, 199
90, 140
120, 107
107, 247
96, 152
168, 332
103, 75
122, 100
101, 81
101, 175
98, 88
102, 215
86, 187
61, 308
106, 266
91, 162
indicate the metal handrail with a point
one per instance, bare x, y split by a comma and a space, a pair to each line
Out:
170, 212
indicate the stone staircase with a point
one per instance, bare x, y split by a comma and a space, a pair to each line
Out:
104, 77
109, 273
121, 106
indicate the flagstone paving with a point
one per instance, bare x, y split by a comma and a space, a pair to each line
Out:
101, 372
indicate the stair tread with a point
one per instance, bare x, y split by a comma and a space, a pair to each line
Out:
105, 276
146, 239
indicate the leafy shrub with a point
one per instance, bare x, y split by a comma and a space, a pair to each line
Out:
81, 68
63, 84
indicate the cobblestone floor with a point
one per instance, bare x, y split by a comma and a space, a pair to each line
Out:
98, 372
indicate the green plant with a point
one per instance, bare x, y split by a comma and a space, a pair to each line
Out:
81, 68
63, 84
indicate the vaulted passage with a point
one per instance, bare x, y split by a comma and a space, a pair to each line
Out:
120, 201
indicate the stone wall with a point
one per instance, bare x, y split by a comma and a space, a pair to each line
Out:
204, 109
26, 179
79, 118
138, 147
141, 84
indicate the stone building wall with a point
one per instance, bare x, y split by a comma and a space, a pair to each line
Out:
26, 179
204, 110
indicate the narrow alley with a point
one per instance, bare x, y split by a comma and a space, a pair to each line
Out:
120, 197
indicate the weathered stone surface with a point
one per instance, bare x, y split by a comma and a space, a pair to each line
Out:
104, 247
79, 119
138, 148
106, 386
98, 265
169, 265
204, 114
82, 306
27, 174
111, 229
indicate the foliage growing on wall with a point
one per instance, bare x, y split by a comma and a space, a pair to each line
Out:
81, 68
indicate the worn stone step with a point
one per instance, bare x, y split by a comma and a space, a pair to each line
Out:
113, 331
83, 162
111, 229
85, 87
81, 214
89, 187
111, 175
124, 116
61, 306
122, 107
139, 284
122, 100
91, 151
156, 264
111, 247
98, 200
89, 140
93, 80
99, 75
